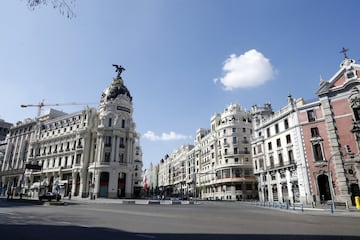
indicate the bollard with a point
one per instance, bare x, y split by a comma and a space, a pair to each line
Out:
357, 202
331, 208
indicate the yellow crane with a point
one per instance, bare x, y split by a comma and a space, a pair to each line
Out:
42, 104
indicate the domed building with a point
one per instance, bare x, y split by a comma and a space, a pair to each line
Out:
91, 153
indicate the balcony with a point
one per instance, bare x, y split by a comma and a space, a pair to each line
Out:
244, 152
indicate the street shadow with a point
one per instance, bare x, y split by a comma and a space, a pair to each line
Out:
17, 202
56, 232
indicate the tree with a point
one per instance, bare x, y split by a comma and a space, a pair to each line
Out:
65, 6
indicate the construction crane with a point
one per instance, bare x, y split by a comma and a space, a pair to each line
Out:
41, 105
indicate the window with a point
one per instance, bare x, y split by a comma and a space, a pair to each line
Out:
348, 149
122, 145
261, 163
268, 132
234, 140
281, 160
107, 141
318, 156
110, 120
245, 140
224, 141
123, 123
269, 146
288, 139
291, 156
314, 132
311, 115
79, 143
78, 158
278, 142
276, 128
246, 151
350, 75
259, 148
286, 124
107, 157
235, 150
271, 162
357, 113
234, 130
237, 172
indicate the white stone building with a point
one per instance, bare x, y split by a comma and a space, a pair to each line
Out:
219, 165
278, 155
93, 152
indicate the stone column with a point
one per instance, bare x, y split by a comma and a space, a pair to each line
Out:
335, 160
73, 183
97, 183
116, 148
129, 186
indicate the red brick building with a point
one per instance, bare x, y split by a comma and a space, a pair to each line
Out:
331, 134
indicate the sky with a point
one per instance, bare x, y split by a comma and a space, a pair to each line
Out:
185, 60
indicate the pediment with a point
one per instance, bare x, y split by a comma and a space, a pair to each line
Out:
348, 71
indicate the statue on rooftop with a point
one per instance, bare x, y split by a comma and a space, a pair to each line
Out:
119, 70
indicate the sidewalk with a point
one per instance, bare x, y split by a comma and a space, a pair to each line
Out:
126, 201
322, 209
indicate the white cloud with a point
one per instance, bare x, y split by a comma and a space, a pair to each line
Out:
250, 69
164, 136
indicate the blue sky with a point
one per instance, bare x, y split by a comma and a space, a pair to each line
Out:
185, 60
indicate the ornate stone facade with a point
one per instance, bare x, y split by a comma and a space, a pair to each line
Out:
90, 153
219, 164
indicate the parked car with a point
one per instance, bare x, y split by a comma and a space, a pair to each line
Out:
50, 196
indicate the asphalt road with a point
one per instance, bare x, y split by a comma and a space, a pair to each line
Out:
207, 220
